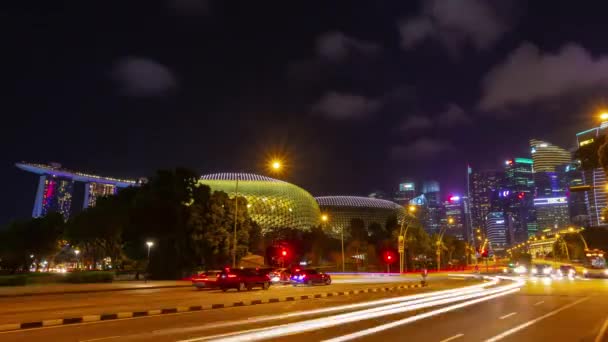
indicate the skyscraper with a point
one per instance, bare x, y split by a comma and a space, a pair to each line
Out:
517, 197
454, 217
547, 157
484, 194
596, 197
434, 207
496, 230
406, 192
552, 213
54, 195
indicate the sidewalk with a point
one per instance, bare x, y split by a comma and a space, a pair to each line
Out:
50, 289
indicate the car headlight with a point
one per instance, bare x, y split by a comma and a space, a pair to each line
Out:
585, 271
520, 269
606, 272
534, 271
504, 270
560, 273
547, 270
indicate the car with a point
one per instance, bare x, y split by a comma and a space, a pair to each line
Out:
566, 271
515, 269
541, 270
310, 277
279, 275
242, 279
206, 280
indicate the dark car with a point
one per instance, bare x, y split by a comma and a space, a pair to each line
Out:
242, 279
566, 271
206, 280
310, 277
541, 270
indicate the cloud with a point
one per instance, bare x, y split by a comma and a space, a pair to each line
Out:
335, 46
453, 115
454, 24
529, 75
340, 106
423, 148
143, 77
416, 122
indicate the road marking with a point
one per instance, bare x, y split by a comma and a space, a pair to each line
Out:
452, 338
99, 339
534, 321
508, 315
539, 303
600, 335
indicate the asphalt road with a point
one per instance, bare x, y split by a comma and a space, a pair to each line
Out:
54, 306
541, 310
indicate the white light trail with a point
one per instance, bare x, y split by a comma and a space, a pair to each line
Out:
326, 322
401, 299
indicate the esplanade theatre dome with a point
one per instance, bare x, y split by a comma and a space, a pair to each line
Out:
342, 209
272, 203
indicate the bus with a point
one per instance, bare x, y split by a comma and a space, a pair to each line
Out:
594, 264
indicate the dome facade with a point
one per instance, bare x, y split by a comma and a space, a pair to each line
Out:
271, 203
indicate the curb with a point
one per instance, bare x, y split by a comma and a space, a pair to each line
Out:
181, 309
33, 294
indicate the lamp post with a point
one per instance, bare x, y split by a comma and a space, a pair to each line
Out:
77, 252
401, 241
439, 241
149, 244
236, 210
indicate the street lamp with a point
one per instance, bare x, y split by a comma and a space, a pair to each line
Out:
149, 244
77, 252
604, 116
401, 240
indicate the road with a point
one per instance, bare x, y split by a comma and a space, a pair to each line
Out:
531, 310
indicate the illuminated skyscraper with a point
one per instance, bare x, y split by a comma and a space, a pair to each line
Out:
496, 230
596, 197
518, 196
407, 191
454, 217
93, 191
484, 195
547, 156
54, 195
552, 213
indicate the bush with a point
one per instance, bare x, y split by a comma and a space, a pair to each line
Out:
13, 280
89, 277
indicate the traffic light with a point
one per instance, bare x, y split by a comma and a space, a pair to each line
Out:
389, 258
284, 253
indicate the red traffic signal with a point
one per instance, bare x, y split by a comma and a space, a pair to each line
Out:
389, 258
284, 253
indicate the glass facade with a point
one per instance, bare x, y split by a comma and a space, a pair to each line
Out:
56, 197
93, 191
496, 230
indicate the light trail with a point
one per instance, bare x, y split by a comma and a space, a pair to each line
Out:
326, 322
261, 319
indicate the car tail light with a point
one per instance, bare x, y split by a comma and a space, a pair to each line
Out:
232, 276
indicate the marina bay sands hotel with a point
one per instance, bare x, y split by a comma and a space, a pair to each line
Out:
60, 189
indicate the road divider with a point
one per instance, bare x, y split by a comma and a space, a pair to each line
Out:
195, 308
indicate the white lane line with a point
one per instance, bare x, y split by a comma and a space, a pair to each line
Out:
452, 338
408, 320
508, 315
100, 339
534, 321
539, 303
602, 333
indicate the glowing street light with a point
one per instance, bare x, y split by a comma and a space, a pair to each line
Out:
604, 116
450, 220
149, 244
412, 208
324, 218
77, 252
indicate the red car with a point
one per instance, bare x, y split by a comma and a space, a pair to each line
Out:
310, 277
242, 279
206, 280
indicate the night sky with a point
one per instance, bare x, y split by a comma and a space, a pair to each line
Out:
356, 95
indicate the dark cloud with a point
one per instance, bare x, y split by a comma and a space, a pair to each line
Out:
423, 148
341, 106
416, 122
453, 115
143, 77
529, 75
454, 24
337, 46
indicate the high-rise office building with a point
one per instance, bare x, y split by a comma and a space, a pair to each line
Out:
496, 230
595, 198
577, 201
484, 187
547, 157
454, 217
406, 192
93, 191
517, 197
552, 213
434, 211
